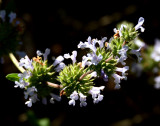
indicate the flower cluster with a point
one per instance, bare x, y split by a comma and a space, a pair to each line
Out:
106, 60
150, 63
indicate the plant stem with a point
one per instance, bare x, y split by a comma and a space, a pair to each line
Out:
54, 85
15, 62
85, 74
109, 59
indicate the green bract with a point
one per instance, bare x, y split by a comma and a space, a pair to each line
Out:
39, 76
70, 80
108, 66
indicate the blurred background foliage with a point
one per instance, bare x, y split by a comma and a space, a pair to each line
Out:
60, 26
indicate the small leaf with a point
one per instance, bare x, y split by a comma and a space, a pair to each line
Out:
13, 77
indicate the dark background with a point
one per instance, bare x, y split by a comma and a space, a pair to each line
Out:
60, 26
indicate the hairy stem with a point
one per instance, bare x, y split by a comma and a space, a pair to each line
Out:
15, 62
50, 84
85, 74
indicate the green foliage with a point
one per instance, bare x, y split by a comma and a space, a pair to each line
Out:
108, 67
70, 79
40, 75
129, 33
13, 77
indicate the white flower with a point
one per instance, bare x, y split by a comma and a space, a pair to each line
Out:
72, 102
26, 62
60, 67
30, 92
32, 99
123, 55
39, 53
85, 61
139, 25
73, 56
2, 15
119, 30
101, 42
89, 44
12, 16
95, 92
91, 58
58, 60
137, 53
139, 43
29, 102
56, 97
94, 74
18, 84
74, 95
155, 55
123, 70
117, 80
45, 54
82, 100
157, 84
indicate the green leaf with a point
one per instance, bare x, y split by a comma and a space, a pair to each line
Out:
13, 77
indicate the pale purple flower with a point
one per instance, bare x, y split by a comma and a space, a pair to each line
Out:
73, 56
157, 82
104, 75
45, 54
139, 25
82, 100
123, 70
117, 80
2, 15
60, 67
95, 92
137, 53
12, 16
123, 55
89, 44
26, 63
73, 97
58, 60
56, 97
119, 30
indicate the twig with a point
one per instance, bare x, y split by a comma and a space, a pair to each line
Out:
85, 74
54, 85
108, 59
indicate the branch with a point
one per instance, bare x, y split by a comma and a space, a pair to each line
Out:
85, 74
50, 84
109, 59
15, 62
